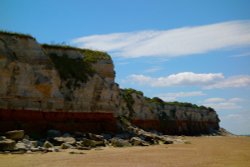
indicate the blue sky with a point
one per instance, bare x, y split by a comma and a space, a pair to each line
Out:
194, 51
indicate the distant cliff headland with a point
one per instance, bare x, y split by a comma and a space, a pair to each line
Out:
71, 89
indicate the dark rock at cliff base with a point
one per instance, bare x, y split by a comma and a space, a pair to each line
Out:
7, 145
15, 134
47, 144
95, 137
66, 146
2, 138
116, 142
136, 141
224, 132
91, 143
60, 140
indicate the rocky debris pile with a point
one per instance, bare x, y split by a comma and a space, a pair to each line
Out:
17, 142
223, 132
143, 137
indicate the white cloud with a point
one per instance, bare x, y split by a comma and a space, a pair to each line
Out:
231, 82
168, 43
204, 80
176, 95
223, 104
179, 79
214, 100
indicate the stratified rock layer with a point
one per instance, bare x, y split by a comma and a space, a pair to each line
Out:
56, 87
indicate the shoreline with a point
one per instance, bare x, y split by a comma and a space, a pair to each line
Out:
204, 151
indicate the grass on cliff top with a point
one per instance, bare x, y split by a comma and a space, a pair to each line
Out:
128, 92
176, 103
20, 35
131, 91
91, 56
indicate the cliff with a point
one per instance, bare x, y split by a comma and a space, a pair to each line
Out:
51, 86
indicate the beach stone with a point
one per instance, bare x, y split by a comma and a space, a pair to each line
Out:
47, 144
53, 149
7, 145
116, 142
95, 137
91, 143
15, 134
20, 146
2, 138
66, 146
136, 141
69, 140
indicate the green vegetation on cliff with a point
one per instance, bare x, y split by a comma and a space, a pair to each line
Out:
72, 70
159, 101
127, 96
91, 56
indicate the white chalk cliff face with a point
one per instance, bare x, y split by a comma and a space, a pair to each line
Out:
30, 80
56, 78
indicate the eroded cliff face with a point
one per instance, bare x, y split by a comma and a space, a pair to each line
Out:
31, 79
48, 79
168, 117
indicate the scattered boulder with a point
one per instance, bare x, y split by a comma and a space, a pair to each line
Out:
60, 140
116, 142
66, 146
95, 137
91, 143
2, 138
136, 141
167, 140
21, 146
53, 149
7, 145
15, 134
47, 144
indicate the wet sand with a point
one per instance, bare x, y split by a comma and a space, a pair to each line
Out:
202, 152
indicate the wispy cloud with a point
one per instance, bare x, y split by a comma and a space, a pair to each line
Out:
169, 43
204, 80
153, 69
223, 104
174, 96
231, 82
242, 55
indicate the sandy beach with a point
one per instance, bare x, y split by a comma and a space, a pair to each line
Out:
202, 152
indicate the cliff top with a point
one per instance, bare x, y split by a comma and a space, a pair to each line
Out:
90, 55
161, 102
20, 35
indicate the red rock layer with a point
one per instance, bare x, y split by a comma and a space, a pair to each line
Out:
39, 121
178, 127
